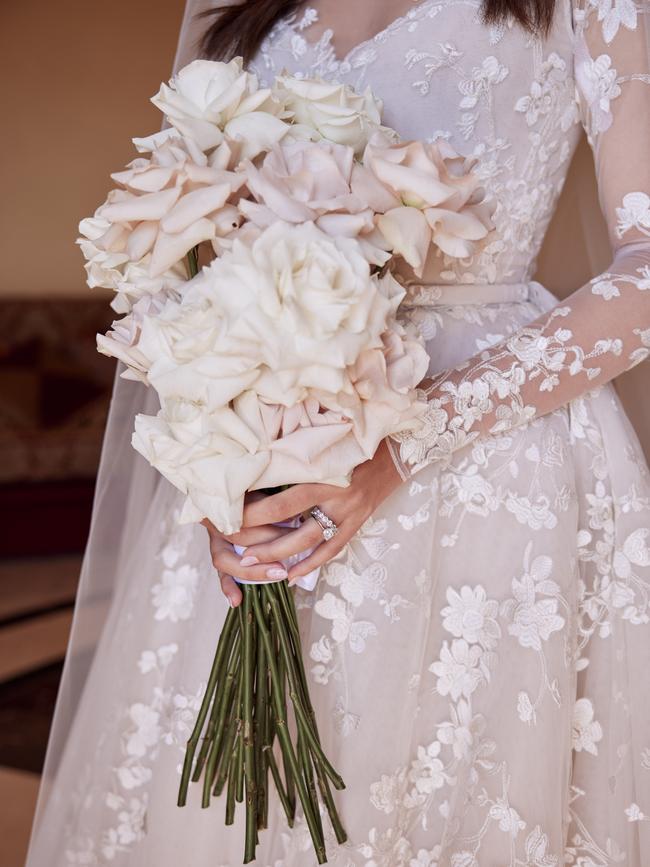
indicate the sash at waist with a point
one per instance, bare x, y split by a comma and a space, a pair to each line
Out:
451, 294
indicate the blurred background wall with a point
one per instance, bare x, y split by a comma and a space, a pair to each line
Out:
76, 77
76, 81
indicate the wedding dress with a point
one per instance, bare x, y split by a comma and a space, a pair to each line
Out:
479, 653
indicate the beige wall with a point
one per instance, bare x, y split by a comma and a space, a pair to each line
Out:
76, 77
80, 77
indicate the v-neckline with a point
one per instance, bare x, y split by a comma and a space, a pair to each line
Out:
329, 32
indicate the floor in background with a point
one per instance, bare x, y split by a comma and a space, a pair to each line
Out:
26, 707
36, 598
18, 790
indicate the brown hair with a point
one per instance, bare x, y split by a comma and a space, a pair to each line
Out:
239, 29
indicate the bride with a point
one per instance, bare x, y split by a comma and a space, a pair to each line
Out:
479, 639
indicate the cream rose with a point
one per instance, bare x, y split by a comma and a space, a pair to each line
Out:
438, 199
203, 456
168, 203
300, 181
209, 99
112, 267
309, 299
334, 111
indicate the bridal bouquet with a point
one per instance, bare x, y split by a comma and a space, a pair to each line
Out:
251, 247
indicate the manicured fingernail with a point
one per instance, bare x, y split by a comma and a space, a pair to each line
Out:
276, 574
293, 581
248, 560
230, 602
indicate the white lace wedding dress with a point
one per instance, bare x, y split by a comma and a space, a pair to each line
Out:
480, 653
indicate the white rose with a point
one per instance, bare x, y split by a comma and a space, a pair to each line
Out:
300, 181
335, 111
208, 99
169, 202
307, 298
201, 458
190, 354
111, 267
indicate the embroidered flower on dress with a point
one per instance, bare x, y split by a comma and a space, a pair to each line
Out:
173, 598
458, 669
146, 732
598, 82
534, 619
542, 96
426, 858
427, 771
635, 214
387, 793
607, 288
614, 14
472, 616
508, 818
586, 731
634, 813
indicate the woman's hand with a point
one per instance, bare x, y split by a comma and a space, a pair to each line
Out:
349, 508
228, 563
267, 545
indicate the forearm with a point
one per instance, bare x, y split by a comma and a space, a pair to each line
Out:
601, 331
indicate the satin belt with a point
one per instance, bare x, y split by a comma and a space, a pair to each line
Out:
452, 294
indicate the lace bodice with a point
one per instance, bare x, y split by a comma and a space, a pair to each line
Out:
515, 102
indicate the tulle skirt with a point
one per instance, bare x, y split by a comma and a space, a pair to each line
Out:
479, 661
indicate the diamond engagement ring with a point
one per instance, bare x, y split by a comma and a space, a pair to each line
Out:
326, 524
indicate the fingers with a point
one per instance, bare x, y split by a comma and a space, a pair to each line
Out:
230, 589
247, 535
286, 504
292, 542
324, 552
256, 535
227, 562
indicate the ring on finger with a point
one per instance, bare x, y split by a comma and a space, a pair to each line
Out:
327, 525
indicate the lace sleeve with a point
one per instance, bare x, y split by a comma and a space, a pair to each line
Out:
603, 328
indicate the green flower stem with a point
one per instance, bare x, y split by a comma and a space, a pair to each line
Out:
277, 779
283, 732
216, 725
261, 733
286, 765
232, 781
289, 610
314, 744
239, 771
258, 665
226, 710
224, 764
288, 652
230, 659
326, 794
229, 746
193, 261
267, 749
308, 776
248, 678
307, 723
223, 643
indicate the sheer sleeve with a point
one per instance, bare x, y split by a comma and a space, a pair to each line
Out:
603, 328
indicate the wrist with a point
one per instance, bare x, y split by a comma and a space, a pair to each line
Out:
402, 470
386, 469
